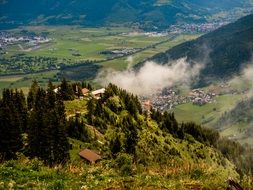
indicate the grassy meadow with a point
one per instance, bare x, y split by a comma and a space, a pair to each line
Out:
208, 113
88, 43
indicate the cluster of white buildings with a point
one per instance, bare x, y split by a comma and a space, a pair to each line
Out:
199, 97
8, 39
120, 52
193, 28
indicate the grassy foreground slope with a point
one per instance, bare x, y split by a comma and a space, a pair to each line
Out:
140, 151
176, 174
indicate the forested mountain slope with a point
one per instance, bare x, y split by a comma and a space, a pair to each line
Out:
223, 51
150, 13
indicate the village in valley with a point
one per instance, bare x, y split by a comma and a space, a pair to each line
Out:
31, 41
166, 99
169, 98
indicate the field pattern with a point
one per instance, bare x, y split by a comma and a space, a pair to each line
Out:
77, 53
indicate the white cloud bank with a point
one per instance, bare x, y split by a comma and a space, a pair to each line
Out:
152, 76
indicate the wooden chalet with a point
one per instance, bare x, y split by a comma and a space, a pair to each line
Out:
90, 155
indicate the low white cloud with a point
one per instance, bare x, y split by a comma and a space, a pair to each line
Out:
244, 81
248, 77
152, 76
130, 61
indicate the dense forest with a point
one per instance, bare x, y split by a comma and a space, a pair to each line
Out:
37, 127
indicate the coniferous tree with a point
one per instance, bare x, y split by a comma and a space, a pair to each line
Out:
51, 96
21, 108
91, 106
61, 143
115, 144
84, 85
89, 87
131, 134
132, 108
66, 91
31, 94
77, 129
10, 131
37, 127
46, 134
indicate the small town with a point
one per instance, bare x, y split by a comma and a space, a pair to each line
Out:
169, 99
115, 53
7, 39
186, 28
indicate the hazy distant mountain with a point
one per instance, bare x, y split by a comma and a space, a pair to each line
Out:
147, 13
223, 51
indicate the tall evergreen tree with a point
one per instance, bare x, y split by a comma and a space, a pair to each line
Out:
91, 106
21, 108
66, 91
37, 128
31, 94
10, 131
131, 134
169, 124
77, 129
47, 135
115, 144
61, 144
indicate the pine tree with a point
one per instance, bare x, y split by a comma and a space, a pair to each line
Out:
77, 129
21, 108
91, 106
31, 94
132, 108
84, 85
37, 137
10, 131
89, 87
66, 91
51, 96
47, 135
169, 124
60, 142
131, 134
115, 144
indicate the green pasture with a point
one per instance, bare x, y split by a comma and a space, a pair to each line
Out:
123, 63
207, 114
88, 42
24, 81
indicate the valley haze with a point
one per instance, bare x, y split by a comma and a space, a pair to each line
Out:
126, 94
152, 77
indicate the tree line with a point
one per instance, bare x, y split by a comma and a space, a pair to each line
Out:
37, 125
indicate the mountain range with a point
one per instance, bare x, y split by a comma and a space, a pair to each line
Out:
224, 52
148, 14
